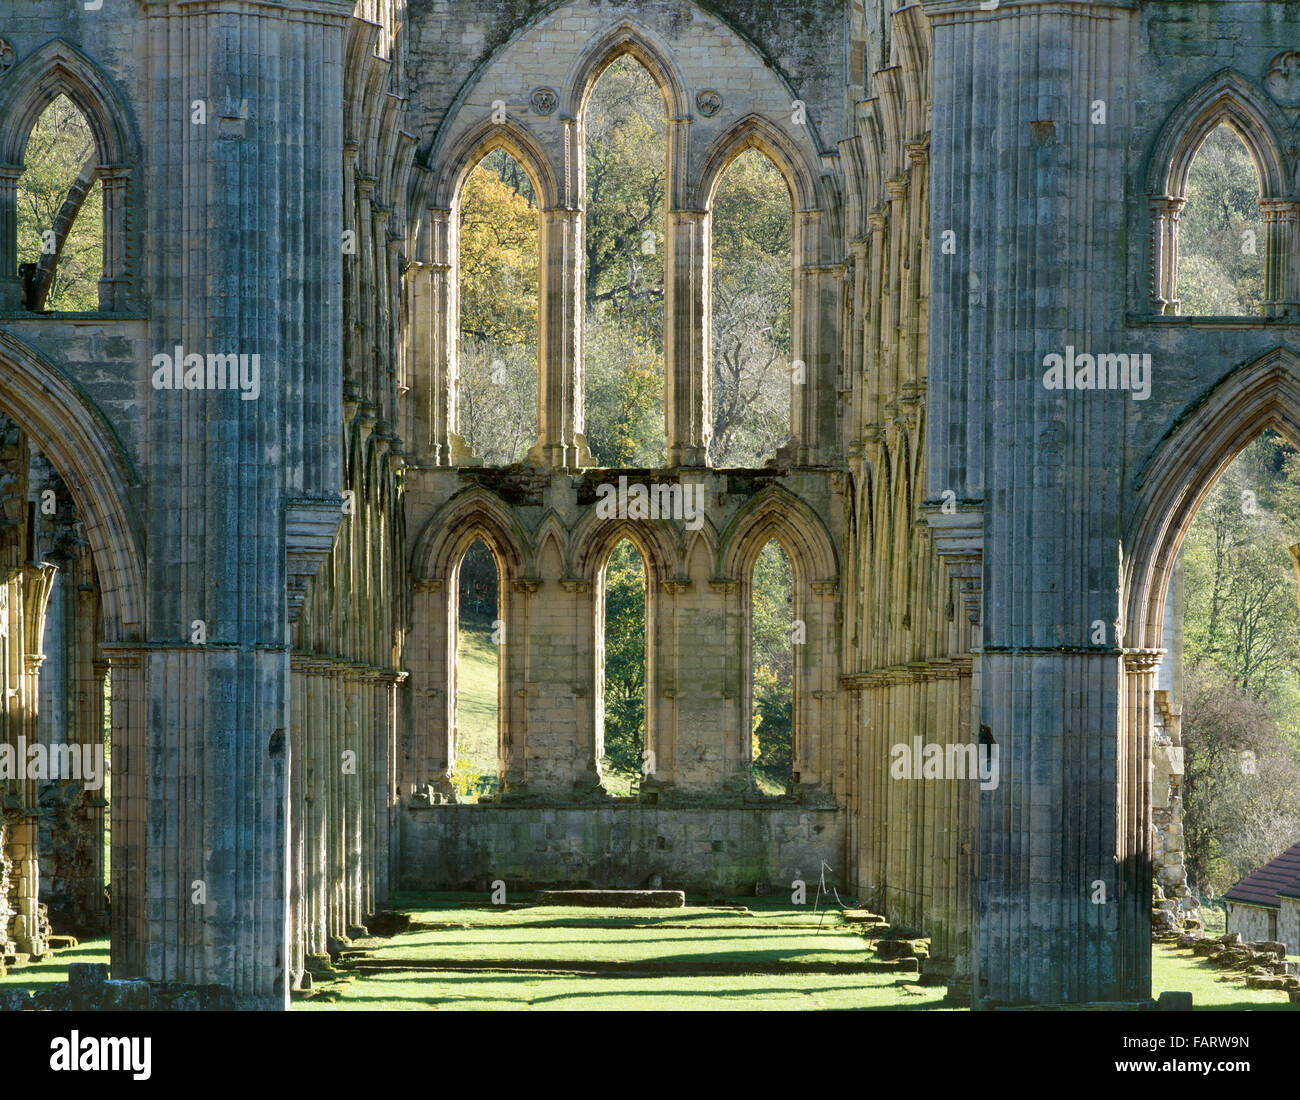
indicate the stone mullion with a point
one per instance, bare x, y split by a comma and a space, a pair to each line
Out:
435, 323
815, 325
688, 425
560, 418
1165, 212
1280, 292
11, 287
114, 284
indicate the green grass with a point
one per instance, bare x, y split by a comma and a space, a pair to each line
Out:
773, 933
461, 992
524, 953
665, 945
54, 970
1215, 918
454, 909
1174, 968
476, 701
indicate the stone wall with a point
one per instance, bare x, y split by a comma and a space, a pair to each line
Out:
1288, 925
707, 850
1254, 922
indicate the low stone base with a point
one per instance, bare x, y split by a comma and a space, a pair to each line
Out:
614, 899
89, 989
713, 851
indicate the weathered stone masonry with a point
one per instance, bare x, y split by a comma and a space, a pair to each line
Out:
955, 529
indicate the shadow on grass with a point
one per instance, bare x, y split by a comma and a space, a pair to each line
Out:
54, 970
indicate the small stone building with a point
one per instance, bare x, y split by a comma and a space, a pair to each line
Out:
1265, 905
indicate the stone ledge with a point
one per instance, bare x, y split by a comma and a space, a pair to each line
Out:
614, 899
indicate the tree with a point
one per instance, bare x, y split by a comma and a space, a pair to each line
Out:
751, 375
624, 669
772, 666
1241, 611
1221, 231
497, 387
627, 167
624, 397
58, 194
1241, 786
751, 380
1240, 783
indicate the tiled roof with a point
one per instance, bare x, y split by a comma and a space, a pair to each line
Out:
1281, 875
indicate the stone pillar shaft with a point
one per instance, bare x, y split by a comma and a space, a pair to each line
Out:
687, 406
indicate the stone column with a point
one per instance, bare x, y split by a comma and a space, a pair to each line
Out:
114, 284
1051, 698
560, 422
687, 407
814, 714
1133, 867
129, 854
223, 467
815, 337
11, 286
1165, 212
1280, 289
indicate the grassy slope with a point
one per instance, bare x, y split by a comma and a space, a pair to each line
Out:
476, 698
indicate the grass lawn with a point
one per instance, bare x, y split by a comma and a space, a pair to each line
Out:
54, 970
534, 959
1174, 968
476, 701
488, 990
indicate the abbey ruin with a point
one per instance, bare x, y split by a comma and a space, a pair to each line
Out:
242, 557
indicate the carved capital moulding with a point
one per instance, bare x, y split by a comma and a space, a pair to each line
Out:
7, 56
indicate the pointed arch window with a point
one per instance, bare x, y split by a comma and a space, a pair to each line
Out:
1226, 253
60, 227
498, 238
64, 132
